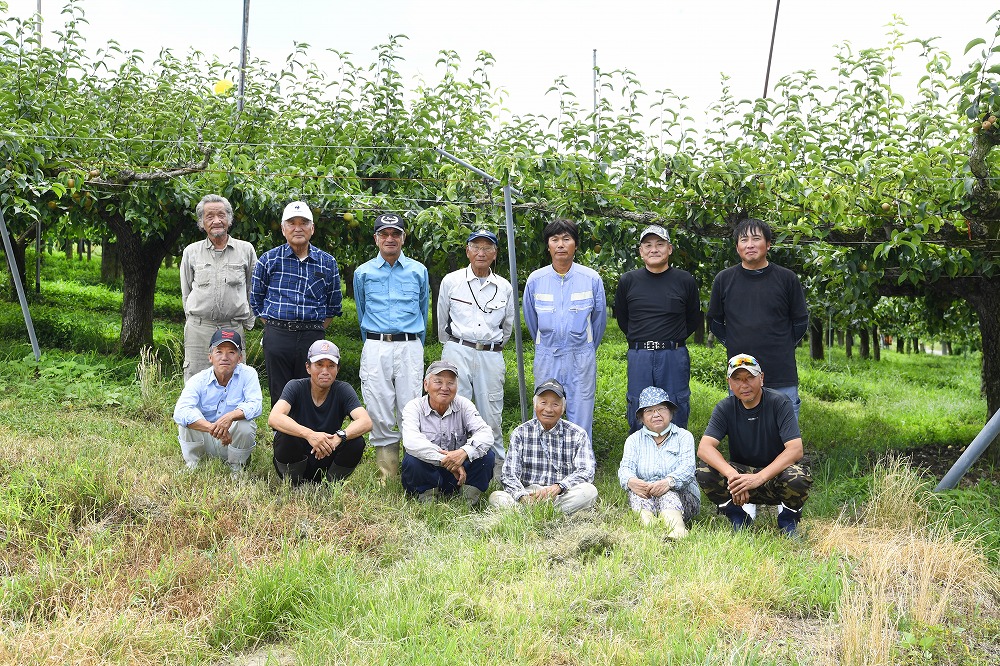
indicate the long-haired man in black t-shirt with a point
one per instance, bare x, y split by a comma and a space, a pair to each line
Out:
758, 307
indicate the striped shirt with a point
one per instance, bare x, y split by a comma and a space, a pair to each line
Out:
287, 288
561, 455
642, 458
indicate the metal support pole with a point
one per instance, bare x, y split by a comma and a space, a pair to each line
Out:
16, 277
770, 54
38, 222
508, 210
596, 119
509, 213
243, 56
971, 454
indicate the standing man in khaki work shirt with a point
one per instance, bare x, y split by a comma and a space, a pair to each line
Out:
215, 282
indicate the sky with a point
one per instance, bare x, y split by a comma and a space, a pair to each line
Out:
684, 46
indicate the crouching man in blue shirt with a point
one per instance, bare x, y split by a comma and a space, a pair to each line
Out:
216, 409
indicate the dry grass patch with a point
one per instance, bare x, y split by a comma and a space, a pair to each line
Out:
908, 568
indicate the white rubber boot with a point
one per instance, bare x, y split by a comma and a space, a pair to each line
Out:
674, 520
387, 459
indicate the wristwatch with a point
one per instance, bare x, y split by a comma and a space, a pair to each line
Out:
342, 434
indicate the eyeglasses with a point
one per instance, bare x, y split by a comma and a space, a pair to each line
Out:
394, 233
744, 360
482, 249
657, 410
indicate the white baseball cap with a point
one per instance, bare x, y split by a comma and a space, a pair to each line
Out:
297, 209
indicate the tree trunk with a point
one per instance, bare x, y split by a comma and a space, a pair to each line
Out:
68, 249
18, 249
435, 292
699, 331
140, 259
876, 344
849, 343
900, 344
916, 346
865, 346
815, 339
111, 267
840, 338
986, 300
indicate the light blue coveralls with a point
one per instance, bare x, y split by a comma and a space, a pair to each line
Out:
566, 316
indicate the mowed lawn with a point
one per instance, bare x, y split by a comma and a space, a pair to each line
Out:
112, 554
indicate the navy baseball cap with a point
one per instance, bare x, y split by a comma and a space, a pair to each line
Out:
483, 233
389, 221
226, 335
551, 385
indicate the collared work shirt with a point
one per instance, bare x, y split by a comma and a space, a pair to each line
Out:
561, 455
292, 289
674, 457
460, 427
203, 396
565, 312
392, 298
473, 309
216, 285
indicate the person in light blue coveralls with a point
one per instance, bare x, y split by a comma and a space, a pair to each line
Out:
565, 312
392, 293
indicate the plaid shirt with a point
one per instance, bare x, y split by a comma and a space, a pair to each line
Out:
289, 289
561, 455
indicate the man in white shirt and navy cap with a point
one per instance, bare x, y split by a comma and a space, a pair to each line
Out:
475, 317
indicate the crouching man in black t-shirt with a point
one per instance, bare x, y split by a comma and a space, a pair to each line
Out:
310, 442
765, 447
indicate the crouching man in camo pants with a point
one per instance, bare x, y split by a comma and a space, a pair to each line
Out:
765, 447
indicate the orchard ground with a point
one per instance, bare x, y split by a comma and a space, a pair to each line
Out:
112, 554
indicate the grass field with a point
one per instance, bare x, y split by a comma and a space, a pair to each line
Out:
112, 555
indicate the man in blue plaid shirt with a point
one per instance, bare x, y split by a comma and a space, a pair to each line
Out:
295, 291
549, 459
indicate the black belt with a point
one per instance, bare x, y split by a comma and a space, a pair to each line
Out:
656, 346
392, 337
480, 346
296, 325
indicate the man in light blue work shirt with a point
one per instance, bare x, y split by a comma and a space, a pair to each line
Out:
564, 310
392, 293
215, 412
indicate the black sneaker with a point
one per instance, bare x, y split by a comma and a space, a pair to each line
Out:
737, 516
788, 520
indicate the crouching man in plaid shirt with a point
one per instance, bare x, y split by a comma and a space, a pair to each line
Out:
548, 458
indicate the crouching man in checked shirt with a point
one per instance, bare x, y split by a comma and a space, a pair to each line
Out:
549, 459
447, 443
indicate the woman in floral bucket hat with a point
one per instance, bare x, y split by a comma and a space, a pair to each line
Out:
657, 468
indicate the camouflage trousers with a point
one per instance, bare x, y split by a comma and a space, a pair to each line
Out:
790, 487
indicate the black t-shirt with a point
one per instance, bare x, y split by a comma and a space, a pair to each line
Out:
756, 436
761, 311
328, 417
657, 307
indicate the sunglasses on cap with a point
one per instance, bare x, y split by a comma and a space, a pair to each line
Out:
740, 361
